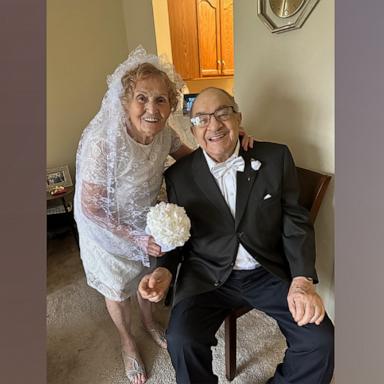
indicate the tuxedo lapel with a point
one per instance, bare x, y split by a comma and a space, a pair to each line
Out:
207, 184
245, 181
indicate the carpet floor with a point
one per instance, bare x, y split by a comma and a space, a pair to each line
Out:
83, 345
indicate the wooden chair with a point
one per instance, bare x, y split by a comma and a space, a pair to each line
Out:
313, 186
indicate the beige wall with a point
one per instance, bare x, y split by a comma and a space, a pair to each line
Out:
195, 86
284, 85
85, 41
139, 24
163, 36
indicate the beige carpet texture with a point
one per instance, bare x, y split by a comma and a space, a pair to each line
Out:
83, 345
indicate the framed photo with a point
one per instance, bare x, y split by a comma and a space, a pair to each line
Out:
58, 177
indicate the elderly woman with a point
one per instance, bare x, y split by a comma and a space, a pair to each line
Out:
119, 167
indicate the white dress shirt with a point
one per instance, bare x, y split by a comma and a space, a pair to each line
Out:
227, 184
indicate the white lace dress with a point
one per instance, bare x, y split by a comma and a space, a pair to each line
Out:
141, 169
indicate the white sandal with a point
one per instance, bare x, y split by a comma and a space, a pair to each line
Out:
158, 336
133, 367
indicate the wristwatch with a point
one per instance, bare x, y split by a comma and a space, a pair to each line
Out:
309, 279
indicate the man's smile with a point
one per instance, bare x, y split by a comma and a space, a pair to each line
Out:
217, 136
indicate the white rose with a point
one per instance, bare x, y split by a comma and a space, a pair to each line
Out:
169, 225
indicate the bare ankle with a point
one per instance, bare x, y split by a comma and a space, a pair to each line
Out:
148, 323
128, 343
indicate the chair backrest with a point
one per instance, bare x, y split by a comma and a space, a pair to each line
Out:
313, 186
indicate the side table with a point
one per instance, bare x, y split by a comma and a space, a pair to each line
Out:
66, 221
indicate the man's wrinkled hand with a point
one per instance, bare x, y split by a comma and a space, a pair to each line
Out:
305, 305
154, 286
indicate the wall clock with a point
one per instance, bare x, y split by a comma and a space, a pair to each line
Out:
284, 15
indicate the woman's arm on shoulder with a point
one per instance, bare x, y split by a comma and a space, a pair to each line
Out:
181, 152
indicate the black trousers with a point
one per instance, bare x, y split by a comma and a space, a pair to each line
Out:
309, 358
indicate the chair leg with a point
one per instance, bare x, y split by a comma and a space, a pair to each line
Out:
230, 347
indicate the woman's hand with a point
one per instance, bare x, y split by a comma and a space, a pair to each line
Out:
245, 140
149, 245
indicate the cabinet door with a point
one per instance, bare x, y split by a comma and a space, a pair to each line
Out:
208, 25
183, 31
226, 40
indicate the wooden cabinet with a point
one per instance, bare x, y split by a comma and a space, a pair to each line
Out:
202, 37
183, 30
226, 37
215, 36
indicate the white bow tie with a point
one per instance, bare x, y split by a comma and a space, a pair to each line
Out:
237, 163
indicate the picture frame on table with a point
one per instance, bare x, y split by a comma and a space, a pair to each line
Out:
58, 177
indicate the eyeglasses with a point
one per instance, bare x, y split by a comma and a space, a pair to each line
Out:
221, 114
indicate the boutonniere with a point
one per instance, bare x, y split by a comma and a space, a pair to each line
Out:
255, 164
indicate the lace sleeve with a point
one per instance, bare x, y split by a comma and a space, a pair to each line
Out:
96, 169
97, 215
103, 225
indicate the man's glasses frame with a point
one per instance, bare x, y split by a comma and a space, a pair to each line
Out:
222, 114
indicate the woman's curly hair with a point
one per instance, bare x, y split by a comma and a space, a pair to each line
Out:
143, 71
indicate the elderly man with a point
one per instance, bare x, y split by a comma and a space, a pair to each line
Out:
251, 244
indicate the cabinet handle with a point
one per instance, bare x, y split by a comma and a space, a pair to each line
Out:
223, 62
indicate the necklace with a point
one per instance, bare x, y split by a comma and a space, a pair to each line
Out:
145, 149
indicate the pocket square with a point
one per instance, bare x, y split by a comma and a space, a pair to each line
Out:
267, 196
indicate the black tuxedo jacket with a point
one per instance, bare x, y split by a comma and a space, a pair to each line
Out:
275, 231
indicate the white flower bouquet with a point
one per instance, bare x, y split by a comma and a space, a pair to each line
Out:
169, 225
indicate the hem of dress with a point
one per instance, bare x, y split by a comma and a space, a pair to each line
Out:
109, 297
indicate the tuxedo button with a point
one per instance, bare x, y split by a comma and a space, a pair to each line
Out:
216, 283
241, 234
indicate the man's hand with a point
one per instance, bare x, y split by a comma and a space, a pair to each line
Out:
305, 305
246, 141
154, 286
